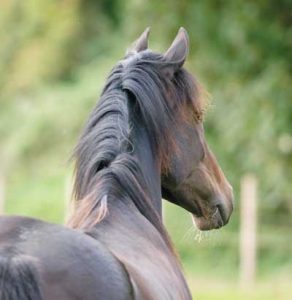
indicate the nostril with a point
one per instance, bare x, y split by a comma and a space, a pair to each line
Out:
223, 213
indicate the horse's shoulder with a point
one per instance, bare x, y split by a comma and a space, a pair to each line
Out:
66, 259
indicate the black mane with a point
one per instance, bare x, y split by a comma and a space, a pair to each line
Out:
104, 164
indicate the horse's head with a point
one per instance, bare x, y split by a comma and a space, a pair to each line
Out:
196, 182
192, 179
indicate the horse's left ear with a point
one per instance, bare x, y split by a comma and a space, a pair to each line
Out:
178, 51
141, 43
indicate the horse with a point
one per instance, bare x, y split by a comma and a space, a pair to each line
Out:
143, 141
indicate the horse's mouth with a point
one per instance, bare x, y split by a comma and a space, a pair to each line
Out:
208, 213
211, 218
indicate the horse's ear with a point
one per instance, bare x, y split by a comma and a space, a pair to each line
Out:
178, 51
141, 43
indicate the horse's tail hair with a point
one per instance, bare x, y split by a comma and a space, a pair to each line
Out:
19, 278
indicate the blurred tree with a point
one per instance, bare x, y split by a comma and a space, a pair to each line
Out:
240, 49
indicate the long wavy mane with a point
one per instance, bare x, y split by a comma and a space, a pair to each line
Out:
104, 165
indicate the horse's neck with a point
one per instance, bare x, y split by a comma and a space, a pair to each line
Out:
136, 242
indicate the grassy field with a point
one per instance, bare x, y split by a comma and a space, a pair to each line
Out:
38, 196
220, 289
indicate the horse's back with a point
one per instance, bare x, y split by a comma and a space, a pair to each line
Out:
67, 264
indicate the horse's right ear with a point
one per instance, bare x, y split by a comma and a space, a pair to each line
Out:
141, 43
178, 51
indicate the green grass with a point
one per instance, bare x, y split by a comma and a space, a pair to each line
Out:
276, 288
37, 196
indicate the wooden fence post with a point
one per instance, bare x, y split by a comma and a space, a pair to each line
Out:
248, 221
2, 194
